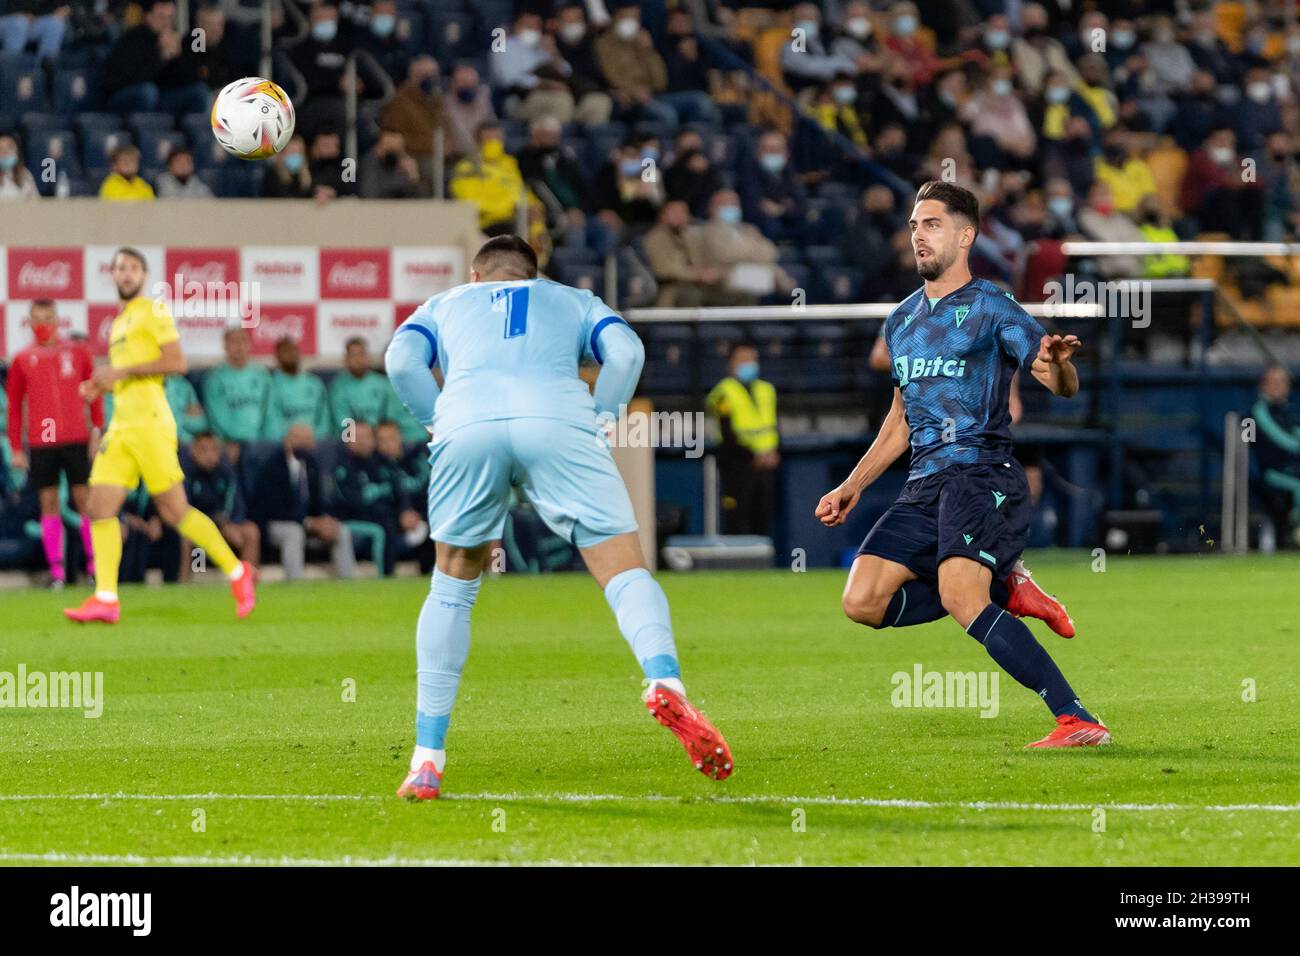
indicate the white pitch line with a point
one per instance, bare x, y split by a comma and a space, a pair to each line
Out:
133, 859
892, 803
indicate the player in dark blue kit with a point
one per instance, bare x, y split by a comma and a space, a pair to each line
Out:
951, 543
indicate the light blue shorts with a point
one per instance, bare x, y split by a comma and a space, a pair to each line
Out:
564, 470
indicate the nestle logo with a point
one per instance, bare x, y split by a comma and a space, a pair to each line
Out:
54, 275
359, 275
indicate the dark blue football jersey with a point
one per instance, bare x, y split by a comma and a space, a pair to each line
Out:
953, 365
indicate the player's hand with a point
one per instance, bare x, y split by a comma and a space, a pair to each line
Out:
1057, 350
103, 377
19, 460
835, 505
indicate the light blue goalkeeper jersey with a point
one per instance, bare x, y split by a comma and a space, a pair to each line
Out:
511, 350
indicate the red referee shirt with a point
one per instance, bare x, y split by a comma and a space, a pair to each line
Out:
48, 377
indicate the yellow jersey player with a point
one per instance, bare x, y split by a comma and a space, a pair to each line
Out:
140, 444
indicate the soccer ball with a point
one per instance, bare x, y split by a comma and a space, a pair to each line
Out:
252, 118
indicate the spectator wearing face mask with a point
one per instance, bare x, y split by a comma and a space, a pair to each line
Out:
745, 257
491, 180
1209, 52
575, 43
1102, 222
328, 181
178, 180
15, 181
1059, 204
388, 171
835, 109
532, 74
1258, 114
1216, 194
744, 407
629, 187
469, 106
673, 253
321, 58
1279, 175
1058, 105
1072, 158
1198, 113
637, 74
865, 240
806, 60
1094, 87
1036, 54
288, 175
855, 38
383, 37
692, 177
690, 80
415, 110
998, 115
552, 171
772, 196
1127, 174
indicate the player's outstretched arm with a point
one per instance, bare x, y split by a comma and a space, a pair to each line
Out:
891, 441
621, 358
1052, 365
409, 363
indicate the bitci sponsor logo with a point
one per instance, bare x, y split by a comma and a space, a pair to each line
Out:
45, 273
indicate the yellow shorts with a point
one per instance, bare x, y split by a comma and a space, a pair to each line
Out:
126, 455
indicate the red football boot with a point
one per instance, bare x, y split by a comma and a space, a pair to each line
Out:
93, 609
704, 745
424, 783
1072, 731
1029, 600
244, 591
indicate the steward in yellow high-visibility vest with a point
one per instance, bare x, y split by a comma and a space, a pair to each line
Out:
745, 407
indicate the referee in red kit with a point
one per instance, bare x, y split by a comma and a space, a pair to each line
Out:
47, 376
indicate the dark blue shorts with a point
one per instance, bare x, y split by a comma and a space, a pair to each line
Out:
979, 511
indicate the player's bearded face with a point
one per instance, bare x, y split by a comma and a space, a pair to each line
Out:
128, 276
934, 255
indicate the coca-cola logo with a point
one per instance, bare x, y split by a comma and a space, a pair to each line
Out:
292, 324
53, 275
211, 271
358, 275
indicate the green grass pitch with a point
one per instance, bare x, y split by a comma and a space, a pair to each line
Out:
225, 741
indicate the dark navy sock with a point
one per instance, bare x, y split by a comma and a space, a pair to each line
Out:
998, 593
1011, 644
914, 603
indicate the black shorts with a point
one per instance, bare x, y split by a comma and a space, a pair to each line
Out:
979, 511
47, 462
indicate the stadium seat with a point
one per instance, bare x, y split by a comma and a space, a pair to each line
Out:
58, 144
74, 91
22, 83
142, 121
454, 37
98, 144
156, 145
583, 277
839, 284
565, 257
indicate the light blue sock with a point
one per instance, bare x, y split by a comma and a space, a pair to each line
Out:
441, 647
641, 607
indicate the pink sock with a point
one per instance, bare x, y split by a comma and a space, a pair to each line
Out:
52, 539
87, 546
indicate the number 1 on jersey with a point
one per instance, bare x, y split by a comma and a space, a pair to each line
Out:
515, 304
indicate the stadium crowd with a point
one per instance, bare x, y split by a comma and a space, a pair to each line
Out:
727, 152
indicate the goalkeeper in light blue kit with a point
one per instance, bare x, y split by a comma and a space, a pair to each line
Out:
514, 411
